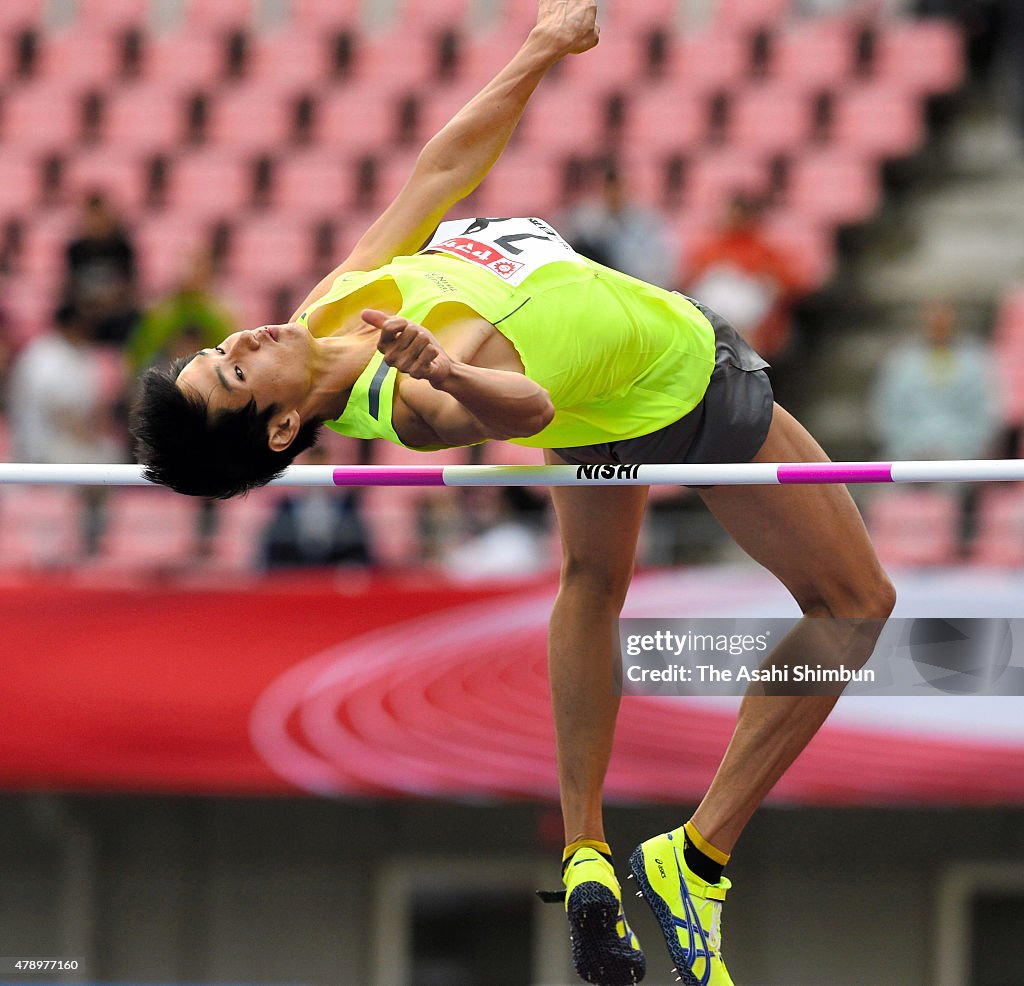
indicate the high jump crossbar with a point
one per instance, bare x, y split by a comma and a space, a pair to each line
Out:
730, 474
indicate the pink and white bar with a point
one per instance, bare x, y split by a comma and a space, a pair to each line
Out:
749, 474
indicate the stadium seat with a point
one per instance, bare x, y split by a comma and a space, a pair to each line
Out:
45, 241
742, 15
320, 15
211, 183
833, 187
19, 181
667, 119
707, 61
420, 16
809, 245
163, 241
16, 15
253, 117
814, 53
914, 526
291, 59
273, 246
521, 183
115, 169
239, 528
717, 176
770, 119
616, 62
179, 59
1000, 537
148, 528
630, 17
78, 57
357, 118
146, 118
317, 181
1009, 325
558, 123
44, 116
40, 527
102, 14
925, 57
220, 15
882, 120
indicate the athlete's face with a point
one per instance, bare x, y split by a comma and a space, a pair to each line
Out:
268, 365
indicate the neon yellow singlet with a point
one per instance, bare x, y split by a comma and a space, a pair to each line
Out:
620, 358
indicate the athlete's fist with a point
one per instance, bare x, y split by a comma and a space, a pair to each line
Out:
409, 347
569, 25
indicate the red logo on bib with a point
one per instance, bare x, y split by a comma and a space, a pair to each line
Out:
480, 253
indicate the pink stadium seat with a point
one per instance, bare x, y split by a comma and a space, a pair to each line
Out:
558, 123
241, 523
145, 118
715, 177
914, 526
220, 14
19, 181
507, 454
394, 170
881, 120
291, 59
273, 246
77, 56
630, 17
108, 167
182, 60
740, 15
318, 181
521, 184
111, 16
45, 241
45, 116
1009, 327
667, 119
709, 60
252, 117
210, 183
18, 14
321, 14
148, 528
1000, 537
616, 62
833, 187
357, 118
163, 242
404, 58
40, 527
810, 245
433, 15
815, 53
771, 119
921, 56
439, 105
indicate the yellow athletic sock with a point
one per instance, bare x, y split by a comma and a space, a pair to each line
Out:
599, 847
702, 857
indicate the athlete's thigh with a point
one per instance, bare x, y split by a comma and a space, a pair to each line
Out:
599, 526
812, 538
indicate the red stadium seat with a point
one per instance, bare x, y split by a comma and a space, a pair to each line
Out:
809, 245
630, 17
19, 181
40, 527
521, 183
357, 118
240, 526
433, 15
191, 59
210, 183
816, 53
163, 242
881, 120
616, 62
78, 57
18, 14
558, 123
111, 16
315, 181
771, 119
833, 187
404, 58
708, 60
1000, 537
921, 56
914, 526
118, 171
291, 58
325, 14
43, 254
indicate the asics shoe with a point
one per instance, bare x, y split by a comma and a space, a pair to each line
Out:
688, 909
604, 949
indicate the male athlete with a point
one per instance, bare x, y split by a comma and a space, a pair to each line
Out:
497, 329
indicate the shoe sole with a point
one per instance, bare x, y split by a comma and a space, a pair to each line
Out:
665, 918
597, 951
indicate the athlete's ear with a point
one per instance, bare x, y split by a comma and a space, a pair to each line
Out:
283, 429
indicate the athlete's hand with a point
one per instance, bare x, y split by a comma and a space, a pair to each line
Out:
409, 347
570, 26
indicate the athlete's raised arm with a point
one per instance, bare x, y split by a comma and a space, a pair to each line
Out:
458, 157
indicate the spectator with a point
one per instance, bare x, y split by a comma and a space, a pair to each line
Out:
934, 398
189, 318
618, 233
739, 274
100, 279
60, 409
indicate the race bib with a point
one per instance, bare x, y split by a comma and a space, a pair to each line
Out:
511, 249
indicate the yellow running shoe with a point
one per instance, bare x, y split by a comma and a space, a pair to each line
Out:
604, 949
688, 909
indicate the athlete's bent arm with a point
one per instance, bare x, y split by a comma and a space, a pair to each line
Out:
458, 157
444, 401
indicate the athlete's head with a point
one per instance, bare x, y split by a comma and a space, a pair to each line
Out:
227, 420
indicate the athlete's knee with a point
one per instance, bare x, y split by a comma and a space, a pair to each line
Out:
602, 579
865, 595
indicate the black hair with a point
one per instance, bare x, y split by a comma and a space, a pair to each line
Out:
183, 446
